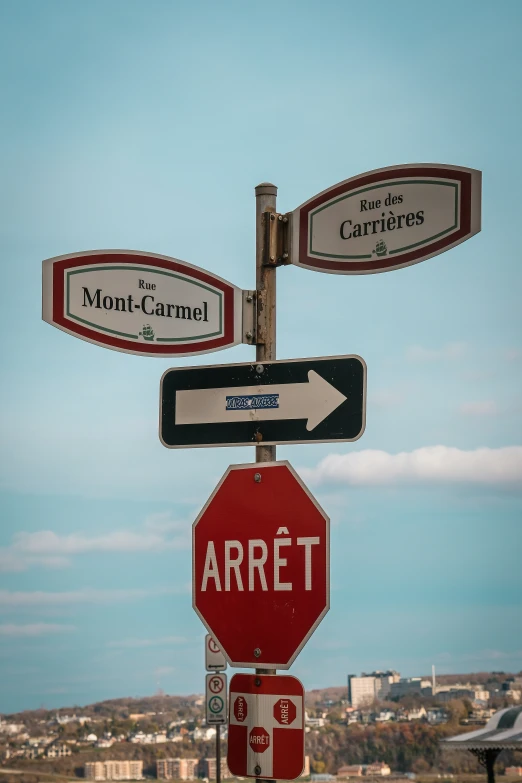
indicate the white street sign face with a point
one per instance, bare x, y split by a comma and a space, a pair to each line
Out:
141, 303
216, 698
214, 658
387, 219
313, 400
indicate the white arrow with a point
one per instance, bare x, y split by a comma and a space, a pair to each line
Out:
313, 400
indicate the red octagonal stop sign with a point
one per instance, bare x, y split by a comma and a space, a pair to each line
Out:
240, 709
259, 739
261, 564
285, 712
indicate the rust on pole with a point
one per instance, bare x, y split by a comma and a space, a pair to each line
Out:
266, 228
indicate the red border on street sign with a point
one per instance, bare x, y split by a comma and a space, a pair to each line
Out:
469, 218
54, 310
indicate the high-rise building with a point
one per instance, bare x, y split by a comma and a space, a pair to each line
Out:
364, 690
177, 769
208, 769
114, 770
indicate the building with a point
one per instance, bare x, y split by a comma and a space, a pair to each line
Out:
114, 770
456, 693
378, 768
513, 771
177, 769
364, 690
11, 728
57, 750
407, 686
314, 723
350, 771
436, 716
208, 769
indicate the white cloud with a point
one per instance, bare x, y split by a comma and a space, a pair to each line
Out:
430, 464
417, 353
37, 599
33, 629
483, 408
136, 643
51, 550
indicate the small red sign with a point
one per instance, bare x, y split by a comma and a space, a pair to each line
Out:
261, 565
266, 727
259, 739
240, 709
285, 711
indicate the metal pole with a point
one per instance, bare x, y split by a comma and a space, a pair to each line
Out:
218, 753
266, 291
266, 194
491, 755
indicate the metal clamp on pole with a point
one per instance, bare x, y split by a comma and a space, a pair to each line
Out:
276, 230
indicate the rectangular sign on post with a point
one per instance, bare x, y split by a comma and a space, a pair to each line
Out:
266, 726
216, 698
214, 659
387, 219
318, 400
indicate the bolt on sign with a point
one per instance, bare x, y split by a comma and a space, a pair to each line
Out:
387, 219
142, 303
214, 659
266, 726
261, 565
216, 698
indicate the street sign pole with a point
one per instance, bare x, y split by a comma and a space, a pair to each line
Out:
266, 291
218, 753
266, 195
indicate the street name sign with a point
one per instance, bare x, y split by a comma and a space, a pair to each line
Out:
141, 303
260, 574
266, 726
297, 401
215, 661
216, 698
387, 219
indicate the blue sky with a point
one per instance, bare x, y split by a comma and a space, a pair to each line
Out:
147, 126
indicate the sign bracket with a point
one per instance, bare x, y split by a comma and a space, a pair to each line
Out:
276, 250
250, 317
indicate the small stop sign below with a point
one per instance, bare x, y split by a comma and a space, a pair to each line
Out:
285, 712
259, 739
240, 709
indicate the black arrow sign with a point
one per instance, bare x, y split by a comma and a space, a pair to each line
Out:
297, 401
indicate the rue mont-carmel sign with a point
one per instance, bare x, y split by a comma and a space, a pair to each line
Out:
387, 219
141, 303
